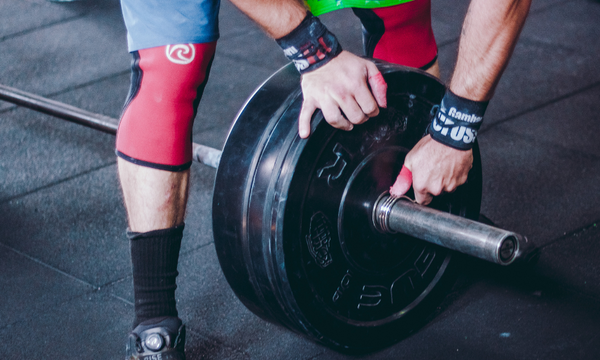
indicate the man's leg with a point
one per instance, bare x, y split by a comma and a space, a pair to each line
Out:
154, 199
401, 34
154, 145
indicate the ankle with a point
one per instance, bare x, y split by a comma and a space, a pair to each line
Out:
155, 256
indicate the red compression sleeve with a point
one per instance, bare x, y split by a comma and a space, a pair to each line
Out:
156, 125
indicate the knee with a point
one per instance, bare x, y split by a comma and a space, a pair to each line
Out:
166, 86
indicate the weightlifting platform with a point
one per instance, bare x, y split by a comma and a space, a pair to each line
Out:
64, 259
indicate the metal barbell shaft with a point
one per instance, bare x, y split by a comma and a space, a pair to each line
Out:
58, 109
389, 214
470, 237
201, 153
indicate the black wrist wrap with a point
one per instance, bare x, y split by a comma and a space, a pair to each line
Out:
310, 45
457, 121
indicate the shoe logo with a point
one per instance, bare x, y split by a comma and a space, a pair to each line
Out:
154, 342
181, 54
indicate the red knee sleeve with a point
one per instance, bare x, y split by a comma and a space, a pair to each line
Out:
156, 125
408, 37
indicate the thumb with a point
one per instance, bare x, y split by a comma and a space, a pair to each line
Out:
306, 113
403, 182
378, 86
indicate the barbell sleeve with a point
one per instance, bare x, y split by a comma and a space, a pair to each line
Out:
401, 215
201, 153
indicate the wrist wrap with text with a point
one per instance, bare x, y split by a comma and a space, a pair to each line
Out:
457, 121
310, 45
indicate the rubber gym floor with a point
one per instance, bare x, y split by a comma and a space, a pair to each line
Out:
66, 288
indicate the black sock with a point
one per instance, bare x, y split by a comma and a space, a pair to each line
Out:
154, 258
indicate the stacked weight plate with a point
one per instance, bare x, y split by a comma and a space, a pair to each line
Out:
292, 217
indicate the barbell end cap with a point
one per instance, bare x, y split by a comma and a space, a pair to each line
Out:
508, 250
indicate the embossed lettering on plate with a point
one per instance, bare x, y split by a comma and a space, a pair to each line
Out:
406, 284
334, 170
424, 261
371, 296
344, 285
318, 239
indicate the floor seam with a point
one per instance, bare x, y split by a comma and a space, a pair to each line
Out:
572, 233
182, 254
113, 282
31, 316
68, 89
540, 106
122, 299
58, 182
545, 8
536, 11
40, 262
41, 27
561, 148
91, 82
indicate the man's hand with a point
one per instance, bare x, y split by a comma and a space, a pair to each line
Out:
435, 168
489, 35
348, 90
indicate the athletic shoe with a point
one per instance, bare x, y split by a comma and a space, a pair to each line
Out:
157, 339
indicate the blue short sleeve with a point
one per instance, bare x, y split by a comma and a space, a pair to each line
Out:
152, 23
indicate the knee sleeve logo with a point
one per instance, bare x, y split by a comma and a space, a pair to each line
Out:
182, 54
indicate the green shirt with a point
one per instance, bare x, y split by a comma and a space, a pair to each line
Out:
318, 7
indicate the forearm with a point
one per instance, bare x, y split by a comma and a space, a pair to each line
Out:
277, 17
489, 35
348, 93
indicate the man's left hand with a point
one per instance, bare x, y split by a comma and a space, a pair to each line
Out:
349, 90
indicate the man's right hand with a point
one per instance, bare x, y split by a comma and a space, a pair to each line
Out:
433, 168
349, 90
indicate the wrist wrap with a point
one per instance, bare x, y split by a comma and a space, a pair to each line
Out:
310, 45
457, 121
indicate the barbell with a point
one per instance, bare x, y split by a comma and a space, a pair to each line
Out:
305, 231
